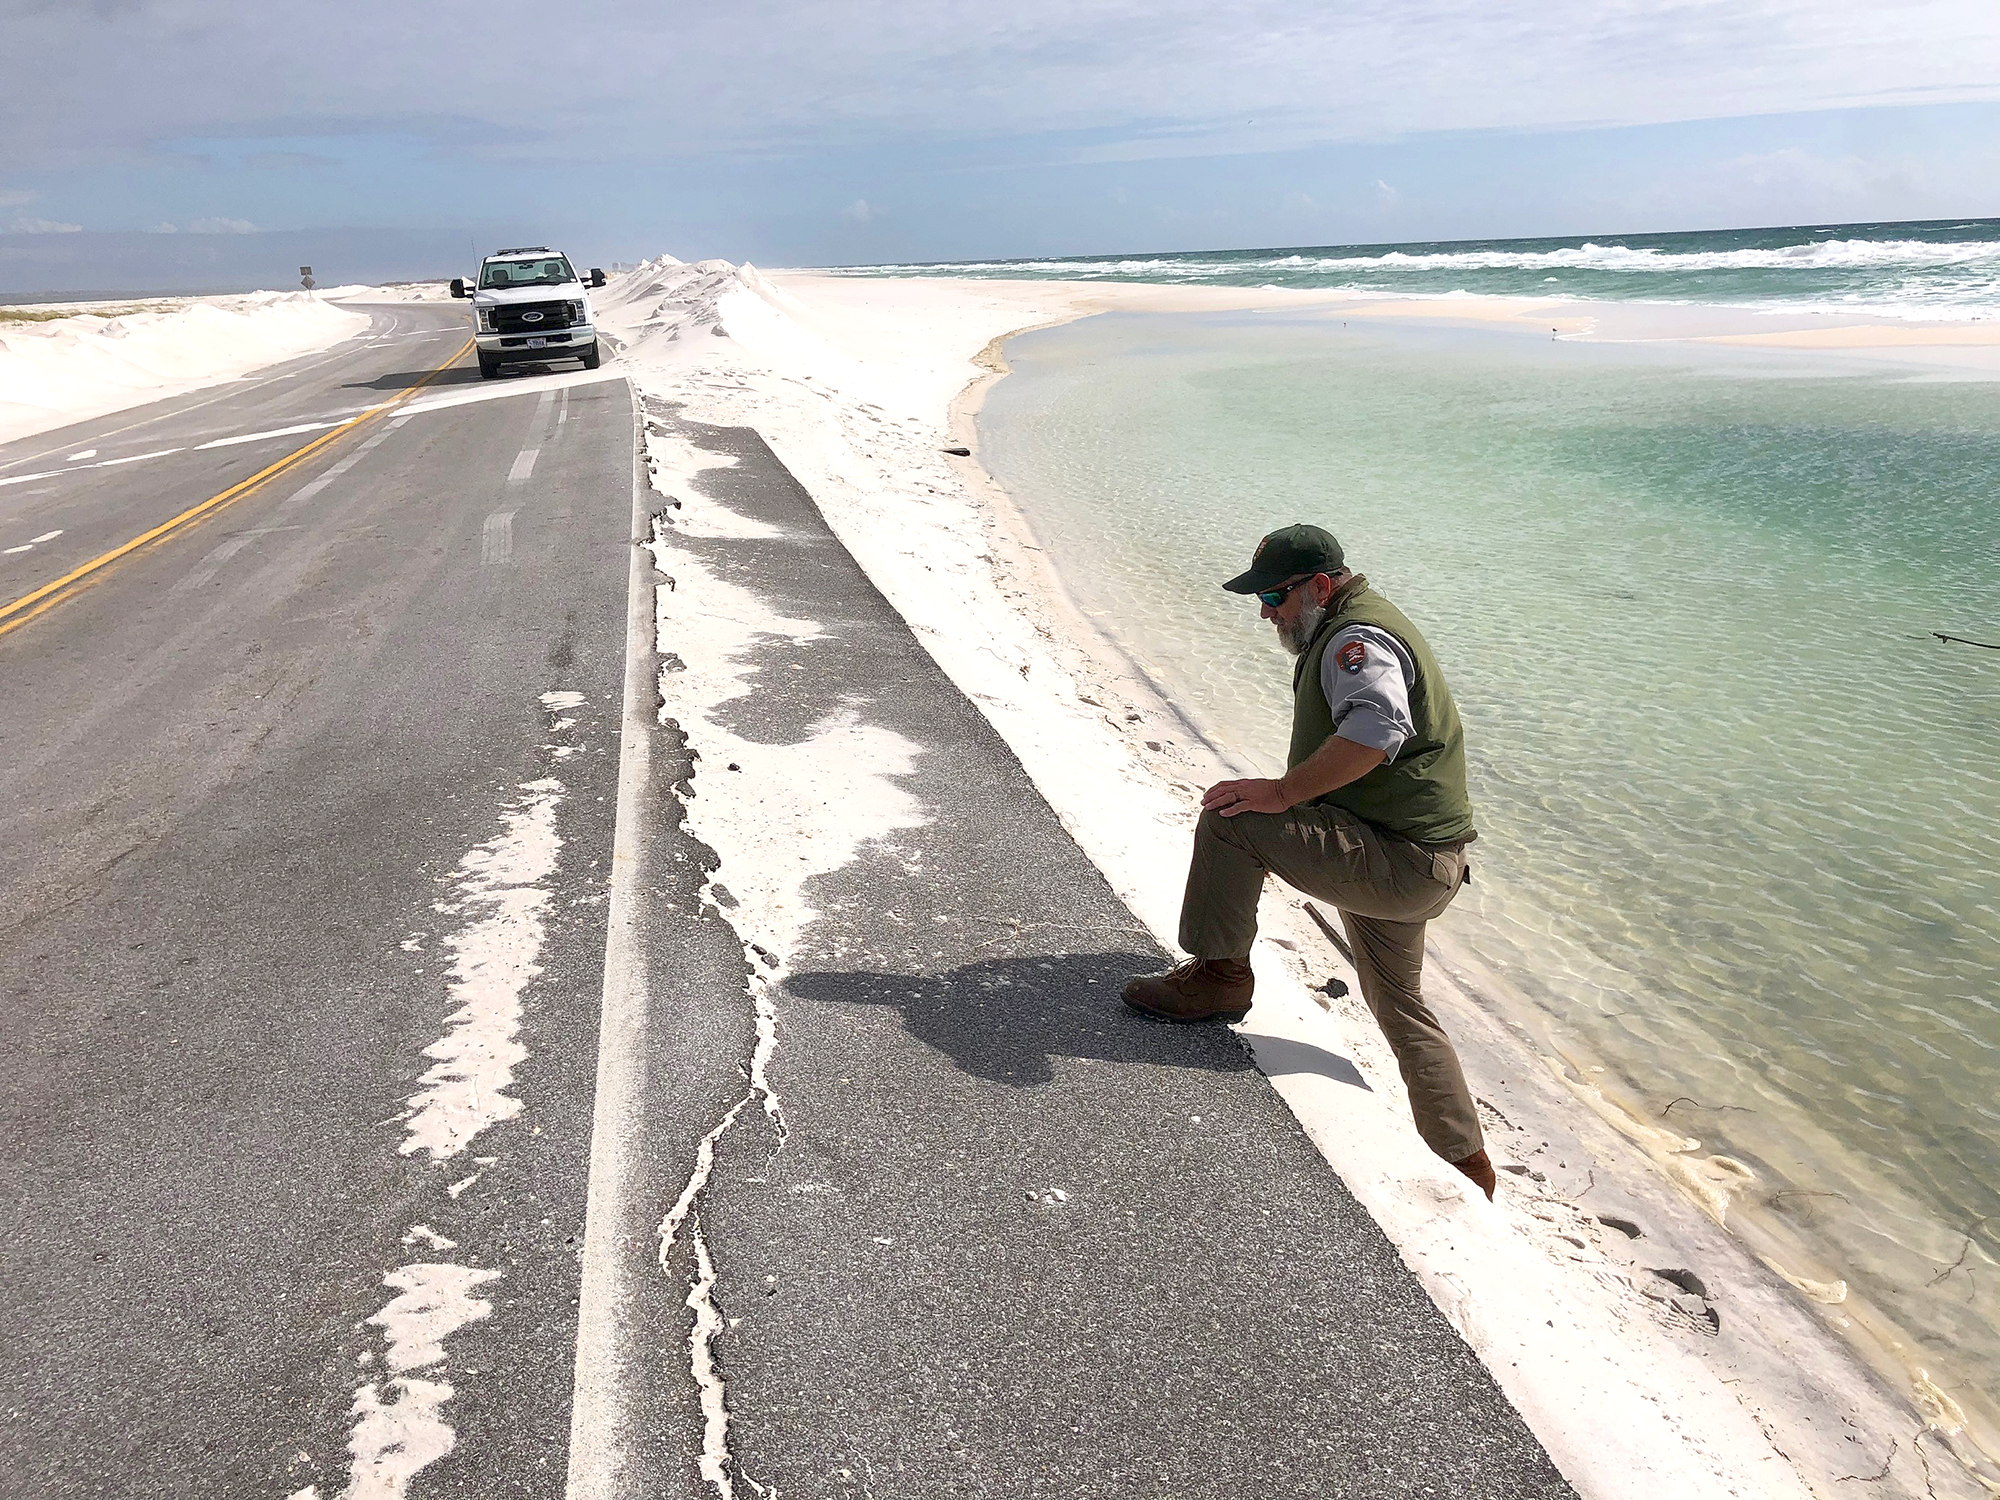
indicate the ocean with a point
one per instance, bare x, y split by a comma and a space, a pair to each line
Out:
1739, 804
1936, 269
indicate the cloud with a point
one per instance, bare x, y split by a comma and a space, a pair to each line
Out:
205, 226
752, 127
289, 161
1792, 184
1791, 168
43, 226
14, 199
1154, 77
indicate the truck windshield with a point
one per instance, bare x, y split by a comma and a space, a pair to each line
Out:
500, 274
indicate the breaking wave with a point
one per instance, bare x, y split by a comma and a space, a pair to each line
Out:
1926, 270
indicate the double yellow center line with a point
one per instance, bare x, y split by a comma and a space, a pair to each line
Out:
13, 616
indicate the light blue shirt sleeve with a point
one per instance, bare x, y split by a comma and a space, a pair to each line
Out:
1367, 676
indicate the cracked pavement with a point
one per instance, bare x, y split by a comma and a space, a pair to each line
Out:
1018, 1241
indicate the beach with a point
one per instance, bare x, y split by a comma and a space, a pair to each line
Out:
1241, 752
1709, 1373
1752, 1306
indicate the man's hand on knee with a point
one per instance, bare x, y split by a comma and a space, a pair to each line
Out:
1255, 795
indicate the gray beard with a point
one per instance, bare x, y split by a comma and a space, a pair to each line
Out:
1300, 636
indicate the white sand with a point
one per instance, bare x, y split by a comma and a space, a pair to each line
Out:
857, 385
68, 369
773, 823
391, 291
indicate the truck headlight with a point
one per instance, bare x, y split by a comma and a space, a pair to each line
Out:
576, 311
485, 316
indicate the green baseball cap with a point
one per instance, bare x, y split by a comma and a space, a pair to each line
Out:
1286, 553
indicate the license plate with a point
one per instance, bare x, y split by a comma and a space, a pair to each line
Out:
538, 343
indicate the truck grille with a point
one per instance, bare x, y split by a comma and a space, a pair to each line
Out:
519, 317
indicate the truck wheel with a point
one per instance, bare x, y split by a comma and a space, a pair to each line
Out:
592, 357
488, 367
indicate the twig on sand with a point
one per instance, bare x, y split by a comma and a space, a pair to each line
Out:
1878, 1477
1327, 927
1963, 1251
1960, 640
1741, 1109
1917, 1446
1591, 1173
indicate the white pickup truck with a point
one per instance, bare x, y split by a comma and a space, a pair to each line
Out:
528, 307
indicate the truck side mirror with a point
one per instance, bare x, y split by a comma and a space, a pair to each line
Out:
596, 277
458, 287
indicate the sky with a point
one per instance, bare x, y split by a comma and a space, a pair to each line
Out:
155, 144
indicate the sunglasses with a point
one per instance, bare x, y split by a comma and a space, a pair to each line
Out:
1272, 598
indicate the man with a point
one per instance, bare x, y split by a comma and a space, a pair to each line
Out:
1371, 816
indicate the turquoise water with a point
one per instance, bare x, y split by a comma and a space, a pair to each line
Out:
1740, 810
1945, 268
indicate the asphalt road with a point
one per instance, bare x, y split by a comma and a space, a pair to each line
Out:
1015, 1242
1012, 1240
240, 769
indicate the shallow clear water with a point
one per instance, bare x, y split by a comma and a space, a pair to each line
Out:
1740, 810
1944, 268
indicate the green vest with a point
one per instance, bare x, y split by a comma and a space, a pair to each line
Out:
1421, 794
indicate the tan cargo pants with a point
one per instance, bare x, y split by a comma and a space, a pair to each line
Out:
1385, 889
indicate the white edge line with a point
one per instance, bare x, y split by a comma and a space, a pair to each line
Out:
109, 463
105, 463
275, 432
613, 1265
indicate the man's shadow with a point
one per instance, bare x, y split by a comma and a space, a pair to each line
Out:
1005, 1019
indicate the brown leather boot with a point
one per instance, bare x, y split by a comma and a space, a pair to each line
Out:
1479, 1167
1216, 989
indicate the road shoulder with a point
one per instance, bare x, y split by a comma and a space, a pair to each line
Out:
967, 1223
